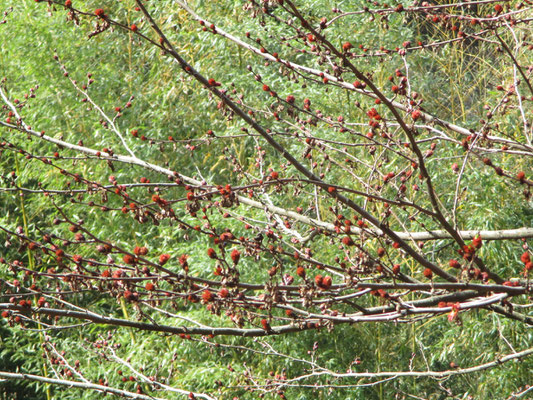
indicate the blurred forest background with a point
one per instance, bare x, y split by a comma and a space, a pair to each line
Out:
173, 113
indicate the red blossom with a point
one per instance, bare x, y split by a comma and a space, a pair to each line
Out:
235, 256
416, 114
182, 260
207, 296
454, 264
128, 259
326, 282
265, 324
476, 242
163, 258
99, 12
211, 253
347, 241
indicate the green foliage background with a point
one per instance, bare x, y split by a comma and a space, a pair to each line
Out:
169, 103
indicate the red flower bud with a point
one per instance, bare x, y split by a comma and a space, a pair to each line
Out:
99, 12
235, 256
163, 258
128, 259
347, 241
207, 296
346, 46
454, 264
211, 253
265, 324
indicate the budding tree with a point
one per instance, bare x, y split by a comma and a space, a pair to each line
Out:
270, 199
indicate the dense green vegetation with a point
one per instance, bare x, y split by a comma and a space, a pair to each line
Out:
71, 83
